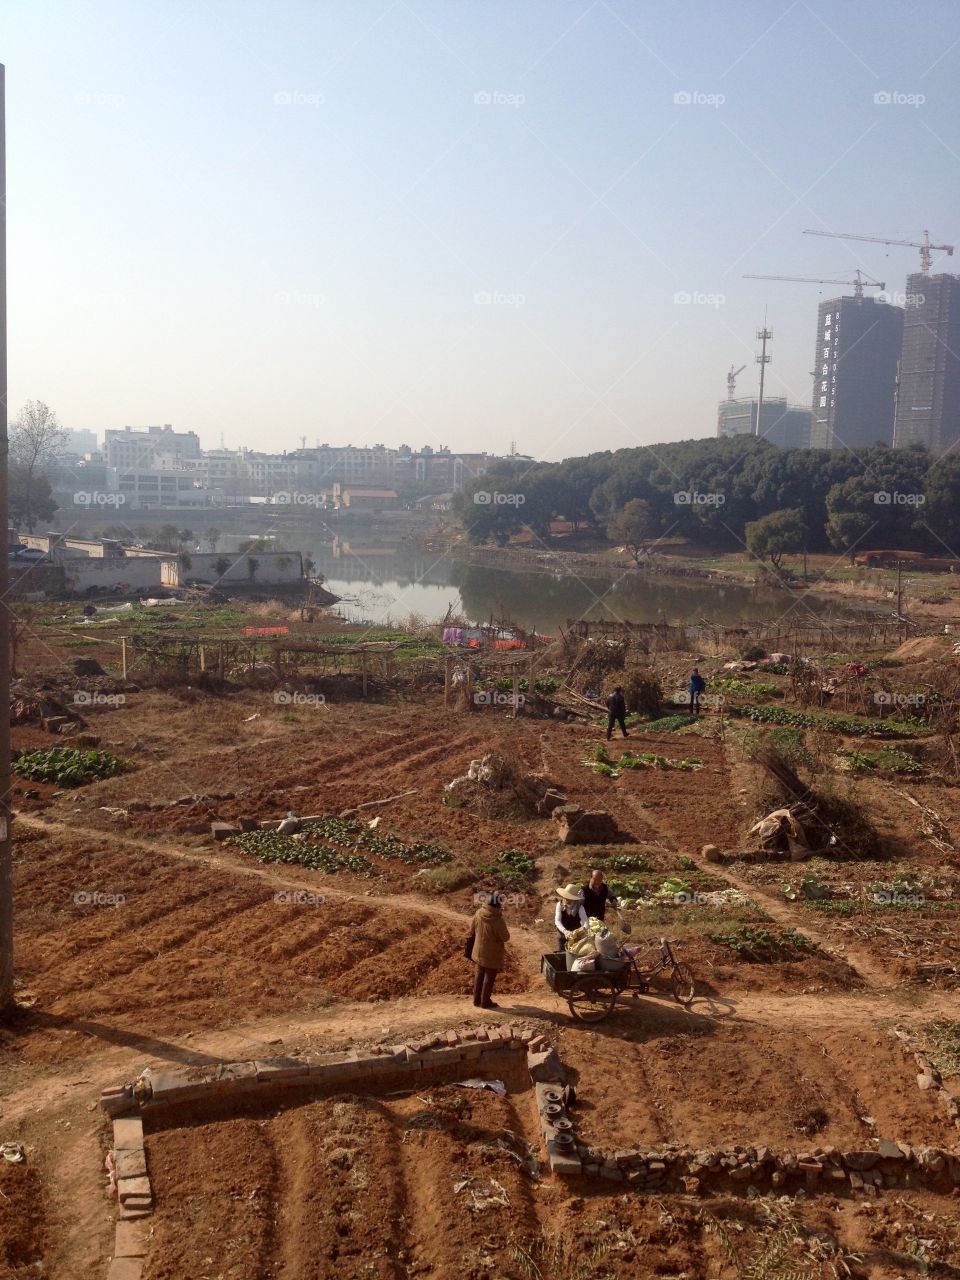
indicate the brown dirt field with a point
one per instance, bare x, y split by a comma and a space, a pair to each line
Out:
185, 949
721, 1082
359, 1186
22, 1220
201, 961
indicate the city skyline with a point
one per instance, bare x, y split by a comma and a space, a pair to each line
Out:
395, 222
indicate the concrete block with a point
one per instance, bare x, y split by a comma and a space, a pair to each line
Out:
222, 830
565, 1165
134, 1215
127, 1133
237, 1075
131, 1240
445, 1057
276, 1070
131, 1163
177, 1086
544, 1066
134, 1188
125, 1269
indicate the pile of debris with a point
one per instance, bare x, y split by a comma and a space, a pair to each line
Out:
495, 787
40, 708
806, 823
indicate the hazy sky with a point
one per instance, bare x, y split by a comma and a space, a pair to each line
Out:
453, 221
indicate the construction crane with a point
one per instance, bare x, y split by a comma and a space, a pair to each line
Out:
924, 245
861, 282
732, 380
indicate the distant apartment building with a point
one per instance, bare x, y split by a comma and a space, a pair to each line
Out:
928, 395
782, 424
79, 442
855, 373
149, 446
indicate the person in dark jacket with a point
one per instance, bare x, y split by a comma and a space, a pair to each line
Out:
616, 713
490, 935
695, 688
596, 895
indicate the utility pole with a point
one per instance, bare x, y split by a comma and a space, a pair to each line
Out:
900, 600
764, 335
6, 856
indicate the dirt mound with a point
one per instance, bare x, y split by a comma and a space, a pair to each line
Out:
497, 787
923, 647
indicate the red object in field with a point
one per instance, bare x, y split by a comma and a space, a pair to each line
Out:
266, 631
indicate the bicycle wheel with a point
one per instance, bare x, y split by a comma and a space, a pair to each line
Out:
591, 998
683, 983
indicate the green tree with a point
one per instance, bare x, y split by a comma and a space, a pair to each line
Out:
636, 526
30, 499
213, 536
776, 535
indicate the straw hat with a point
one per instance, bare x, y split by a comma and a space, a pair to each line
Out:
570, 893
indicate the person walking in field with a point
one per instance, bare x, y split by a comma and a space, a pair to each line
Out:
490, 936
695, 688
616, 713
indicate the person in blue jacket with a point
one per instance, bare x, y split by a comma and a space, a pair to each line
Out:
695, 688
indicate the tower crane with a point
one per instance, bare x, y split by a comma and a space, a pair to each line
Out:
862, 281
924, 245
732, 380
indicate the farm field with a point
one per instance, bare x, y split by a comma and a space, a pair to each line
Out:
143, 941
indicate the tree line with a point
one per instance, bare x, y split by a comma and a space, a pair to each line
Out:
728, 493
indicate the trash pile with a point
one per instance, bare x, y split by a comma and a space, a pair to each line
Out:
496, 786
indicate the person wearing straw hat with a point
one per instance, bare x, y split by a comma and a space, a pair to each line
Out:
570, 914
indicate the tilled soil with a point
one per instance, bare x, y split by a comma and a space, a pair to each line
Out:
719, 1082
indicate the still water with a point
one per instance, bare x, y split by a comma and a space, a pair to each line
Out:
383, 583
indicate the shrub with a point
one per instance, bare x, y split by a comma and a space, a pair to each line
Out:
642, 691
753, 653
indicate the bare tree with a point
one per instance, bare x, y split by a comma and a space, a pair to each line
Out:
36, 441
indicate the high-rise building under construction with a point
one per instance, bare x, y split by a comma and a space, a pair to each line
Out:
855, 373
928, 396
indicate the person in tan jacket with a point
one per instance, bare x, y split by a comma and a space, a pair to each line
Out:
490, 934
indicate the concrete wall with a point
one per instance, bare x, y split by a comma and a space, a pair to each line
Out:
136, 574
275, 568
